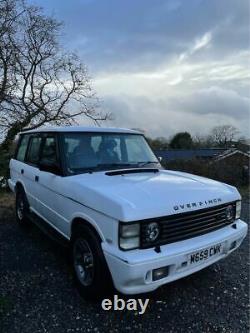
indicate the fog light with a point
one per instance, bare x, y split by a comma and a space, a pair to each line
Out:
160, 273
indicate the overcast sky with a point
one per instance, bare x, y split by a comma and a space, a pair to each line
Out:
163, 65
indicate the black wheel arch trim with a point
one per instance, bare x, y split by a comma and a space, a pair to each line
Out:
79, 221
19, 186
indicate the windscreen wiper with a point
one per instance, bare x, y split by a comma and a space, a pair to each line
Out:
141, 164
131, 170
83, 170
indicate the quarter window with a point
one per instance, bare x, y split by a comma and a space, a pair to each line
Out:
20, 156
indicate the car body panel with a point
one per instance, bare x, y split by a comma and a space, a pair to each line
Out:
138, 196
132, 271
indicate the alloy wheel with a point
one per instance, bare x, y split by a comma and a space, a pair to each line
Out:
83, 261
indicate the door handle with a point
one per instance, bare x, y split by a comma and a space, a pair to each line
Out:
36, 178
22, 171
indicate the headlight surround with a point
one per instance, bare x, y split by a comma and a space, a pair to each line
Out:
238, 209
129, 236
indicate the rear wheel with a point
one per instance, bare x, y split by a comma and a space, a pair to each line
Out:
90, 269
22, 208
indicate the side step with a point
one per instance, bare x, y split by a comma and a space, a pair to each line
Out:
48, 230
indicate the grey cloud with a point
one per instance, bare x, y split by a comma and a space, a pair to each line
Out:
117, 36
125, 35
215, 100
196, 113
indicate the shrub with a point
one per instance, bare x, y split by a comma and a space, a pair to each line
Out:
233, 172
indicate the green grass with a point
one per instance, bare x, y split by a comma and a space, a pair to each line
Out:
7, 199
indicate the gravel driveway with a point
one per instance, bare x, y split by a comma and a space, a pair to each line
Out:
37, 293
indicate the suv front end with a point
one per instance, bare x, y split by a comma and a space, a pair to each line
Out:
153, 252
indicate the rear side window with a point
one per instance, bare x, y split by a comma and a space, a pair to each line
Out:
34, 150
20, 156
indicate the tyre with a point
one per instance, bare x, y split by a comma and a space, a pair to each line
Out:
22, 208
90, 269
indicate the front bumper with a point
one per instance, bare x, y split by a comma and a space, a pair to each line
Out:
11, 185
132, 270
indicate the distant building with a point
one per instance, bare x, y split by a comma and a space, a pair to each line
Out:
236, 162
230, 166
233, 154
189, 154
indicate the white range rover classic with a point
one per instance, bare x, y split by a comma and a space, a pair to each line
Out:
129, 222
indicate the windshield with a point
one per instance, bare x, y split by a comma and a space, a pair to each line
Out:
86, 152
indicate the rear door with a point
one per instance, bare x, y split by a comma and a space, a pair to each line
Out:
30, 169
17, 163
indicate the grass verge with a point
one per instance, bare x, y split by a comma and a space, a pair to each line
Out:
6, 199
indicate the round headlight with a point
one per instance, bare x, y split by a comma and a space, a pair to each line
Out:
152, 231
230, 213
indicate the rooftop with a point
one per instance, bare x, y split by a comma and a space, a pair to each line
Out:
81, 129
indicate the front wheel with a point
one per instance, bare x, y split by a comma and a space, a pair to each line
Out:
90, 269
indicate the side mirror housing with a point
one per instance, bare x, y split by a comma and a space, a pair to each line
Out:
49, 167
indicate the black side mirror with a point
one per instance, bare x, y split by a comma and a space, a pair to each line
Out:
50, 167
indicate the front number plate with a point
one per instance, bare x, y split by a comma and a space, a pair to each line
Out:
205, 254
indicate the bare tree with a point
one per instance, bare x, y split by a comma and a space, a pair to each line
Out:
224, 135
202, 141
39, 84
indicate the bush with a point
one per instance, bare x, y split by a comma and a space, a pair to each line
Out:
4, 169
5, 157
231, 172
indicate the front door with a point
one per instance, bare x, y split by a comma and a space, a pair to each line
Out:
50, 183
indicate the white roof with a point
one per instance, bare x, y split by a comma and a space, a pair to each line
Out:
81, 129
230, 153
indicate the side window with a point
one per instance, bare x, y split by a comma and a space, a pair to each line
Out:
48, 154
20, 156
34, 149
